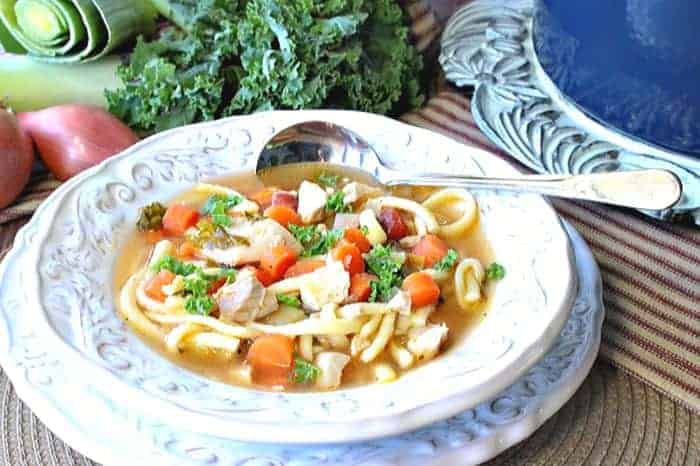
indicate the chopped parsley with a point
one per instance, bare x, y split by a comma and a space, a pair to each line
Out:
197, 284
289, 300
304, 372
315, 240
151, 217
217, 207
199, 304
173, 265
364, 229
382, 262
447, 262
495, 271
208, 232
327, 179
336, 203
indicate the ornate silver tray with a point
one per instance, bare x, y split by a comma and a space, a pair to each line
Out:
489, 46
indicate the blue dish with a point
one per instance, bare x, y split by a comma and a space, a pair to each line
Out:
632, 64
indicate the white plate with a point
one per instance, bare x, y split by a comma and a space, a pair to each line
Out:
105, 430
73, 246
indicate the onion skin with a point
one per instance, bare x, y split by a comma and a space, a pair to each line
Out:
71, 138
16, 158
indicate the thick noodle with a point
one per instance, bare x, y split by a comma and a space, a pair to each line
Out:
469, 210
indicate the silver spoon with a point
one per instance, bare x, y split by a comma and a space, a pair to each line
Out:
319, 141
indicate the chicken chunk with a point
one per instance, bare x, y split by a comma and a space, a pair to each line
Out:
245, 300
424, 342
354, 191
331, 364
256, 237
329, 284
312, 202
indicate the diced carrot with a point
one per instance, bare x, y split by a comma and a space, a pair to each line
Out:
393, 223
283, 215
356, 237
422, 288
360, 286
350, 256
431, 249
186, 250
153, 236
303, 267
277, 260
178, 218
271, 359
154, 287
264, 277
264, 197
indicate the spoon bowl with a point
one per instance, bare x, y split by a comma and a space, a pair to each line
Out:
325, 142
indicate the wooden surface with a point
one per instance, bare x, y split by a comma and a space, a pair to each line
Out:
613, 419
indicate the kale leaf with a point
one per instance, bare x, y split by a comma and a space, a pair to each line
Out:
230, 57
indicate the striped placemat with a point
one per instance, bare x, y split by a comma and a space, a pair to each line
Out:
650, 270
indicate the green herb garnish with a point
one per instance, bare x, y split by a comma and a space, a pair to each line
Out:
304, 371
447, 262
327, 179
217, 207
364, 229
228, 274
495, 271
336, 203
174, 265
289, 300
383, 263
199, 304
314, 239
151, 217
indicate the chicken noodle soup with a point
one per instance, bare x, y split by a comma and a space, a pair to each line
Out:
308, 278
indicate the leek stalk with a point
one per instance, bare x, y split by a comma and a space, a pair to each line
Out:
72, 31
27, 85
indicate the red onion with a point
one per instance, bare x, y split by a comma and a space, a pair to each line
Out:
16, 158
71, 138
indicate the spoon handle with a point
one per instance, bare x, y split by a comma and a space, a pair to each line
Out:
639, 189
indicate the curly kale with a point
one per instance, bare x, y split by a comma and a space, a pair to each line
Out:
244, 56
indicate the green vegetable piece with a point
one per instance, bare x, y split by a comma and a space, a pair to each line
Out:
289, 300
228, 274
495, 271
199, 304
217, 207
447, 262
315, 240
336, 203
151, 217
327, 179
230, 57
364, 229
382, 262
175, 266
304, 372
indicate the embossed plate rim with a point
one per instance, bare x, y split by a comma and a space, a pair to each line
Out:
384, 424
499, 436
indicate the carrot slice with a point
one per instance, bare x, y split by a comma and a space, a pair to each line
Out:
264, 277
350, 256
356, 237
303, 267
178, 218
153, 236
422, 288
264, 197
186, 250
431, 249
277, 260
154, 286
360, 286
283, 215
271, 358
